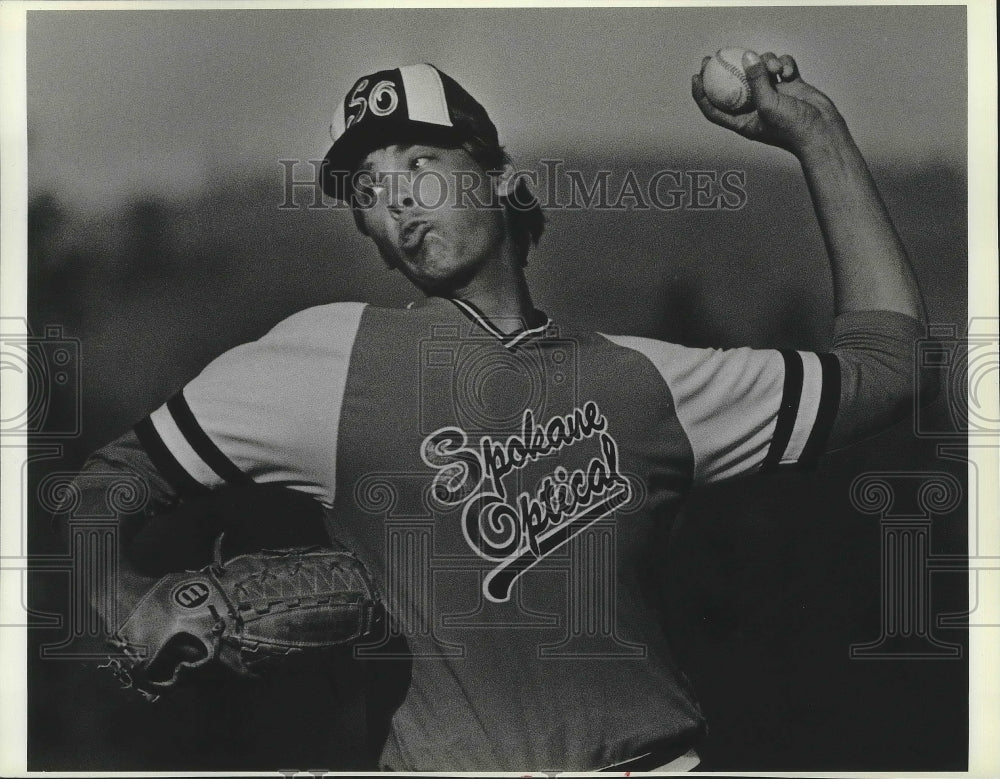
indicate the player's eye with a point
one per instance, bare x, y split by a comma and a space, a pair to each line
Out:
420, 161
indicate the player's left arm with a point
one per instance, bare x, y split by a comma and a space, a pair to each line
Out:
263, 414
879, 308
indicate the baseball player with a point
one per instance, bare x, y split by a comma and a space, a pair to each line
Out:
502, 474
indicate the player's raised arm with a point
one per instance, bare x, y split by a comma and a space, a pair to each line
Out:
870, 267
877, 301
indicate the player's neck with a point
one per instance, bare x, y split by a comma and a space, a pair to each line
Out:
501, 294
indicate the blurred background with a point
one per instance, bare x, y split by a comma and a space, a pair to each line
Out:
158, 239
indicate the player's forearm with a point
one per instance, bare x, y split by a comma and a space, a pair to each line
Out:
119, 473
116, 480
870, 268
122, 464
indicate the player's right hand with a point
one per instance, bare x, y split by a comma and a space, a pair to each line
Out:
788, 113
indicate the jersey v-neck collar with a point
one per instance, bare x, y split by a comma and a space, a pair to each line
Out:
536, 324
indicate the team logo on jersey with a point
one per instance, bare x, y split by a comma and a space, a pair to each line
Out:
516, 532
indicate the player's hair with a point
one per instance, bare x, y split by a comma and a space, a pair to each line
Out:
523, 212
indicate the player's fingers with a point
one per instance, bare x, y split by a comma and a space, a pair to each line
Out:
704, 61
789, 70
697, 88
759, 78
771, 61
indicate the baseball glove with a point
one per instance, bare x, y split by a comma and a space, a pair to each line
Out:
245, 614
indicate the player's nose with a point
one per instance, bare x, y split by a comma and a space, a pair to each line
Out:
400, 205
399, 197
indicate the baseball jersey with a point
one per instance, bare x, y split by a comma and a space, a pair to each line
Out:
503, 482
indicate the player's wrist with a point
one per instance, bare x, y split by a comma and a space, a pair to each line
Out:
828, 142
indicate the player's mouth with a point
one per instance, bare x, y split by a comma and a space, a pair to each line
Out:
411, 235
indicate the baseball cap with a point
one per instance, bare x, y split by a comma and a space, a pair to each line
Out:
408, 104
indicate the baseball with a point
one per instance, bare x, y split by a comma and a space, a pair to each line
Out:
726, 83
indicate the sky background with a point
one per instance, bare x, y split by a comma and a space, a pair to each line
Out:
122, 101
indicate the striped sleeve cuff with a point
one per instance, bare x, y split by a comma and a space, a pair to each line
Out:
809, 402
183, 452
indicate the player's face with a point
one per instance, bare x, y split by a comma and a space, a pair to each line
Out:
432, 214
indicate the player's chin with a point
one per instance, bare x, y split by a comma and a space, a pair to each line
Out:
423, 275
440, 276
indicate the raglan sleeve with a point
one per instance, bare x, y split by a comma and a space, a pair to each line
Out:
757, 410
264, 412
